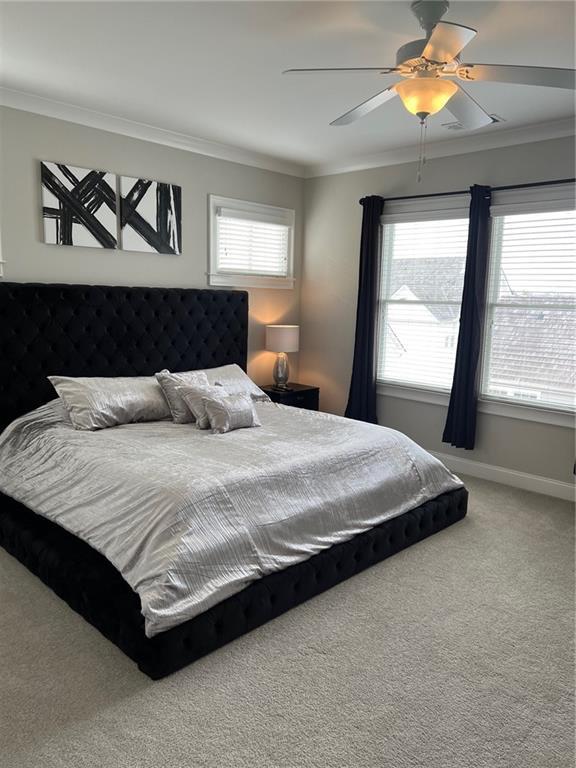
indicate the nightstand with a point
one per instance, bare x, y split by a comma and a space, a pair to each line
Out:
299, 396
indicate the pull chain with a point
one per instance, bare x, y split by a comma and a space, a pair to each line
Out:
424, 143
422, 149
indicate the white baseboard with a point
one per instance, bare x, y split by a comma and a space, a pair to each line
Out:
534, 483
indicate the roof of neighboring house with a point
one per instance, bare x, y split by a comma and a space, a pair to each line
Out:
438, 279
538, 340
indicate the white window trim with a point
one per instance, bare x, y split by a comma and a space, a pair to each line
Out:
261, 212
487, 405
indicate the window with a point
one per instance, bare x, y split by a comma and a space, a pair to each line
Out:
251, 244
423, 261
529, 354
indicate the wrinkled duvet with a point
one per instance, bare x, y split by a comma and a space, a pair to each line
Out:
189, 517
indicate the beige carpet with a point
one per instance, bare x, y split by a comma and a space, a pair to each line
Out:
456, 653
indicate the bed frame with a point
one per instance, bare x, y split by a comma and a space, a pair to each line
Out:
117, 331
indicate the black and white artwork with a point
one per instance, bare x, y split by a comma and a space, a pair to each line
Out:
78, 206
150, 216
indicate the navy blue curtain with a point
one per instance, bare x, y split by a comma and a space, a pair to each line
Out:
460, 428
362, 396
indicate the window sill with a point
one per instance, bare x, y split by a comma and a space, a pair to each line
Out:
491, 407
251, 281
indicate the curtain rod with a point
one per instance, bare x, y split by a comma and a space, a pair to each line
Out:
494, 189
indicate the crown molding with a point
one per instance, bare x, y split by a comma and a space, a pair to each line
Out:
477, 142
490, 138
60, 110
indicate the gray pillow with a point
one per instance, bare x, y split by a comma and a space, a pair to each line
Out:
229, 412
233, 378
171, 383
96, 403
193, 397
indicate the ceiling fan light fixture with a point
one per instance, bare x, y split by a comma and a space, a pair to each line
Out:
423, 96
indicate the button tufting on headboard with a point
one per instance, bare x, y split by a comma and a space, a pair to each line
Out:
97, 330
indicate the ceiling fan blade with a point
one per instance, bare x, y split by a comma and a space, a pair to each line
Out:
467, 111
341, 70
446, 41
552, 77
367, 106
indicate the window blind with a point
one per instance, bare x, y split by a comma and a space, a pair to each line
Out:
250, 244
246, 246
531, 319
423, 266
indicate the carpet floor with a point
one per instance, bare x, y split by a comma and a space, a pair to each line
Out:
456, 653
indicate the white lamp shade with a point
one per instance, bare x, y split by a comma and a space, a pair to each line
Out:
282, 338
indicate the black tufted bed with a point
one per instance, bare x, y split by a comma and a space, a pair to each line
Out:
118, 331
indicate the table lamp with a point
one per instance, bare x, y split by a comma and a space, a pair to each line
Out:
282, 339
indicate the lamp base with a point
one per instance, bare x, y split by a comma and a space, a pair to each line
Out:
281, 371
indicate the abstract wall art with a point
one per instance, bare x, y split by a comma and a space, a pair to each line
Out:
78, 206
150, 216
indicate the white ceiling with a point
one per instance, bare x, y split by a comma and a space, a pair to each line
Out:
213, 69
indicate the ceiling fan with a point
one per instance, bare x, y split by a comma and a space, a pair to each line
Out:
427, 66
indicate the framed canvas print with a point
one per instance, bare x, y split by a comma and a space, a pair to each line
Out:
78, 206
150, 216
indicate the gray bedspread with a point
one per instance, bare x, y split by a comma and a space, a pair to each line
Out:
189, 517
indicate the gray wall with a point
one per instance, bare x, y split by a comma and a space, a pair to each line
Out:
26, 138
330, 280
326, 282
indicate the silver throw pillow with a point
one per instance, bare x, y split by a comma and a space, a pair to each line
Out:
171, 383
193, 397
96, 403
233, 378
228, 412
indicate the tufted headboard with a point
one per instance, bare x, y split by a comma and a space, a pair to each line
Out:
96, 330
